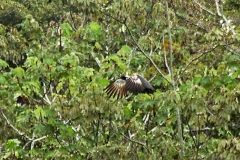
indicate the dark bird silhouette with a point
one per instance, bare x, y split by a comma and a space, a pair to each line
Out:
134, 84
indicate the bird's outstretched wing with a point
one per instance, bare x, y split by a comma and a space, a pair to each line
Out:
148, 88
117, 88
134, 84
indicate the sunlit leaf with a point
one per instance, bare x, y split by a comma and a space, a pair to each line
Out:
3, 63
124, 51
98, 46
39, 113
3, 80
32, 61
94, 27
67, 30
19, 72
12, 144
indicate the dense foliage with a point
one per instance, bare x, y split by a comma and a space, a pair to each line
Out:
56, 57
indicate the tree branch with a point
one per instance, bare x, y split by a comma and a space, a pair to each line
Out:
227, 22
14, 128
178, 113
30, 140
149, 58
194, 59
165, 56
189, 21
132, 140
141, 50
170, 45
205, 9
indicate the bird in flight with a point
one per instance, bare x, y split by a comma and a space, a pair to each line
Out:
134, 84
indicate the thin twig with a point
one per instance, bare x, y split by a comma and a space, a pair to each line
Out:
170, 46
71, 15
134, 141
165, 56
14, 128
5, 14
30, 140
178, 111
141, 50
35, 140
205, 9
189, 21
149, 58
227, 22
194, 59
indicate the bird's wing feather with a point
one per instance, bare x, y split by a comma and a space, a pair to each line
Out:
116, 88
134, 85
146, 84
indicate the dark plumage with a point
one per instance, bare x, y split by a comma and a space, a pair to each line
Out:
134, 84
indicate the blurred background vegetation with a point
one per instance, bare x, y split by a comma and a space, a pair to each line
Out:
56, 57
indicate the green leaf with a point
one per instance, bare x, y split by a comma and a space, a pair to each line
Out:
98, 46
66, 131
3, 63
23, 118
94, 26
233, 64
31, 61
124, 51
102, 82
39, 129
197, 79
174, 97
127, 112
67, 30
49, 61
93, 32
88, 72
118, 61
71, 60
19, 72
12, 144
73, 87
3, 80
136, 116
39, 113
206, 82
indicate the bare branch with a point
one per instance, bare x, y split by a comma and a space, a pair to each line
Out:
200, 130
205, 9
152, 78
30, 140
46, 99
14, 128
170, 46
165, 56
141, 50
227, 22
132, 140
195, 58
149, 58
179, 121
189, 21
35, 140
6, 14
